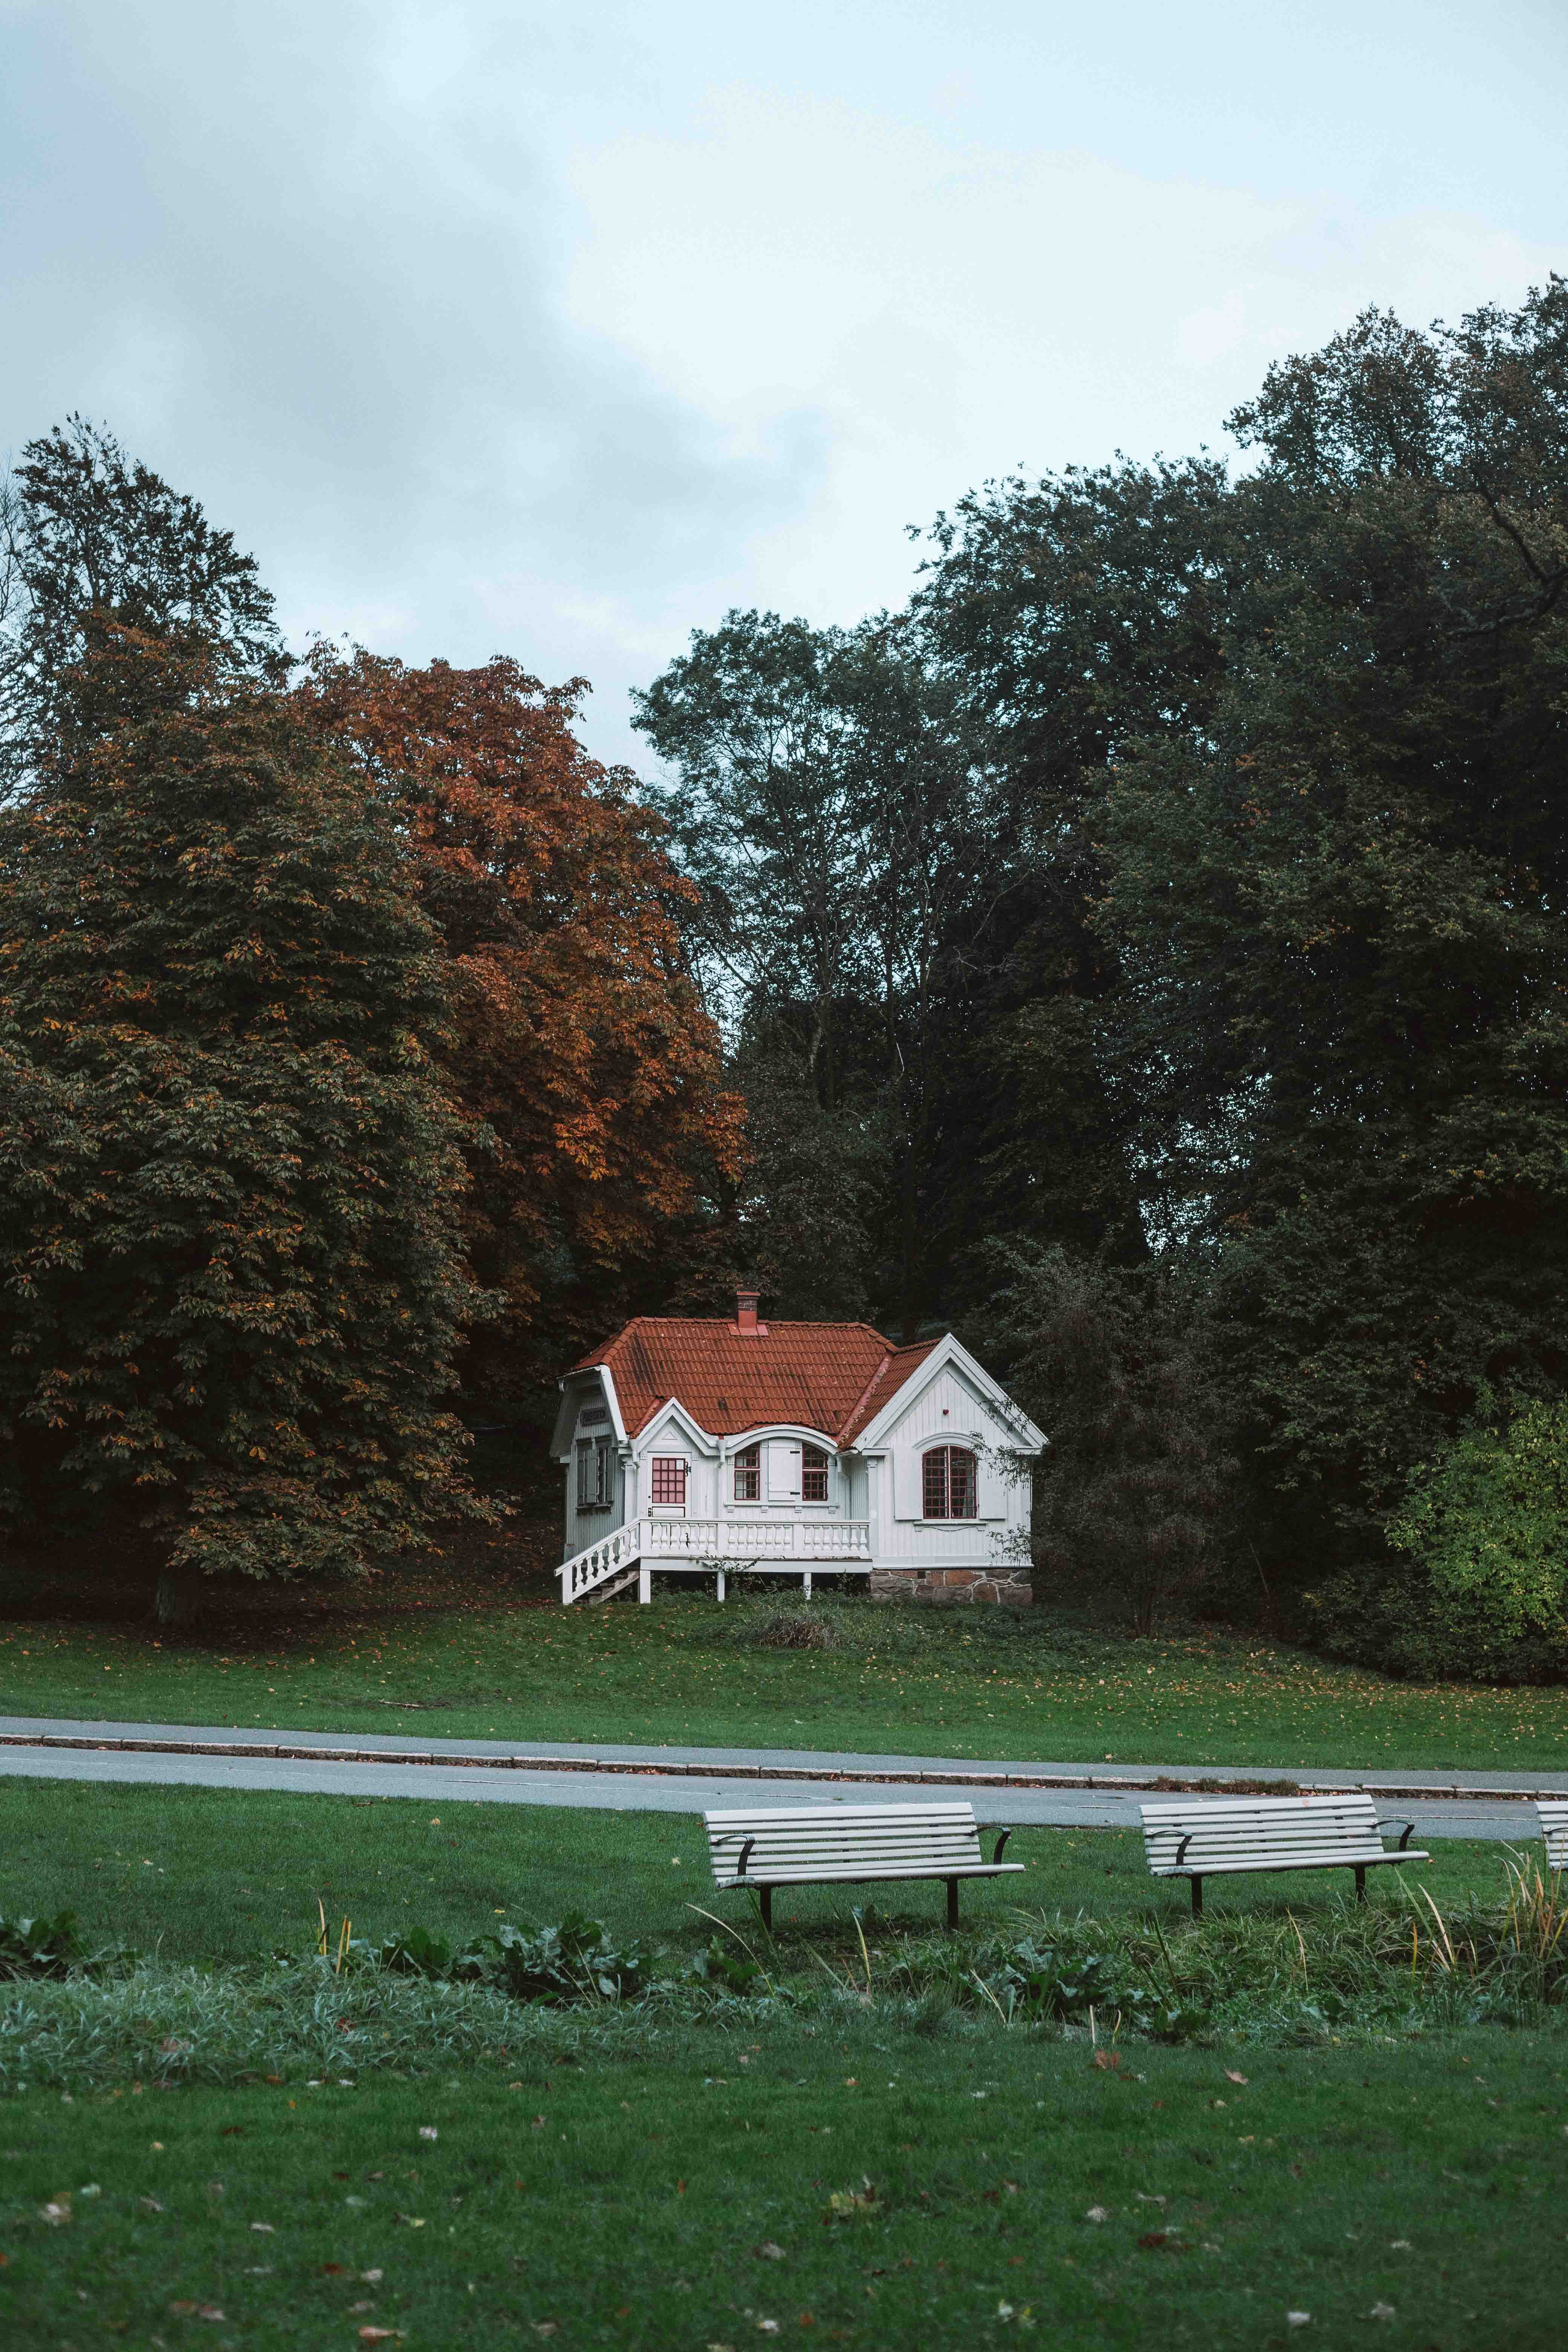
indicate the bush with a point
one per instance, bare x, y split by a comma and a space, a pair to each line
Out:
1488, 1520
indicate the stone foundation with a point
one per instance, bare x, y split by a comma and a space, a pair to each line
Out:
1007, 1582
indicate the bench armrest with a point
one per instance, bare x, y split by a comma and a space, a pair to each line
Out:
1405, 1827
1000, 1843
745, 1855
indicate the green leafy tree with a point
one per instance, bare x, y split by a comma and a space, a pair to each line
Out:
87, 532
229, 1178
1116, 1364
1488, 1520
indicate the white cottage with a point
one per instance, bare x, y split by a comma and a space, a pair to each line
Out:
693, 1447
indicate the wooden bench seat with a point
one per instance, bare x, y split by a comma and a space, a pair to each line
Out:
1553, 1812
1213, 1837
849, 1845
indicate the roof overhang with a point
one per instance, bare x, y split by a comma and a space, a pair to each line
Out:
950, 1354
572, 1386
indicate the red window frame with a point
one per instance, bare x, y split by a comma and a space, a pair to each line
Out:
813, 1475
666, 1484
949, 1483
749, 1474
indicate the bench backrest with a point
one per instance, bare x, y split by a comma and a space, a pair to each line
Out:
1223, 1833
1553, 1812
833, 1840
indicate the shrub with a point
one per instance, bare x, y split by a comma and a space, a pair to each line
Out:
1488, 1518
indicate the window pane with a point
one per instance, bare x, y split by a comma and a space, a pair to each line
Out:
933, 1501
748, 1474
668, 1482
813, 1475
583, 1452
961, 1483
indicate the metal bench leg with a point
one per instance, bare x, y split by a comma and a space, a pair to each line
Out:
953, 1902
767, 1895
1197, 1895
1361, 1883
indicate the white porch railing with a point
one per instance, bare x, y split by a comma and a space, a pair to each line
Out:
760, 1542
800, 1539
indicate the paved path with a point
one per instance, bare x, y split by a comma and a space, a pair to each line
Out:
689, 1779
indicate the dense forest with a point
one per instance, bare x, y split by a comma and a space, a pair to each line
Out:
1145, 953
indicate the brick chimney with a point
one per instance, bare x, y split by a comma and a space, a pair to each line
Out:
746, 1322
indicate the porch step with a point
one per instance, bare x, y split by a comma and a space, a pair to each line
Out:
603, 1592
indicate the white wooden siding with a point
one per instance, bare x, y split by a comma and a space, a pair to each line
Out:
947, 1411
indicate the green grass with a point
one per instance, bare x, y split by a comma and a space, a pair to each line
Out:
200, 1874
456, 1657
633, 2200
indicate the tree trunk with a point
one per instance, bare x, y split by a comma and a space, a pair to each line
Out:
179, 1599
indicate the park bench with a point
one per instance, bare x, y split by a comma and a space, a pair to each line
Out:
1223, 1836
1553, 1812
849, 1845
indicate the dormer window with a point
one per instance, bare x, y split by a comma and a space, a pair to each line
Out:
813, 1475
749, 1474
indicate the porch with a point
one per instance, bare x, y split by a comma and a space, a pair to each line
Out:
788, 1546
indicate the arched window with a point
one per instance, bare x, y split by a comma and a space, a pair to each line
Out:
749, 1474
948, 1482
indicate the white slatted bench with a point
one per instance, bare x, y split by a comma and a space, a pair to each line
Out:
839, 1845
1223, 1836
1553, 1812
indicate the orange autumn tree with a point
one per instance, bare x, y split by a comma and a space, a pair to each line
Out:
579, 1047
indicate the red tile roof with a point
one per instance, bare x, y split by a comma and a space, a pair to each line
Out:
828, 1376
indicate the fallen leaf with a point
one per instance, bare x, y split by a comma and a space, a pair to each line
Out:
149, 2205
1108, 2060
373, 2278
428, 2131
208, 2311
414, 2221
90, 2188
1400, 2246
1231, 2077
544, 2326
1298, 2319
1097, 2213
768, 2251
1382, 2311
332, 2270
379, 2335
265, 2229
57, 2212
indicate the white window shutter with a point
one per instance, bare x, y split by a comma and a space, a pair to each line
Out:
990, 1485
906, 1468
783, 1471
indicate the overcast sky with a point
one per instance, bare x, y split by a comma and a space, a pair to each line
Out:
557, 330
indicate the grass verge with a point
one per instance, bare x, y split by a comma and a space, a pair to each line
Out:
422, 1654
220, 1874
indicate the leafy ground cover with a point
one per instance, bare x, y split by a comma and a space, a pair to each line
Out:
198, 1874
472, 1651
852, 2185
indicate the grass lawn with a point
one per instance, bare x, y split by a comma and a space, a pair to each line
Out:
224, 1874
475, 1654
862, 2189
842, 2174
